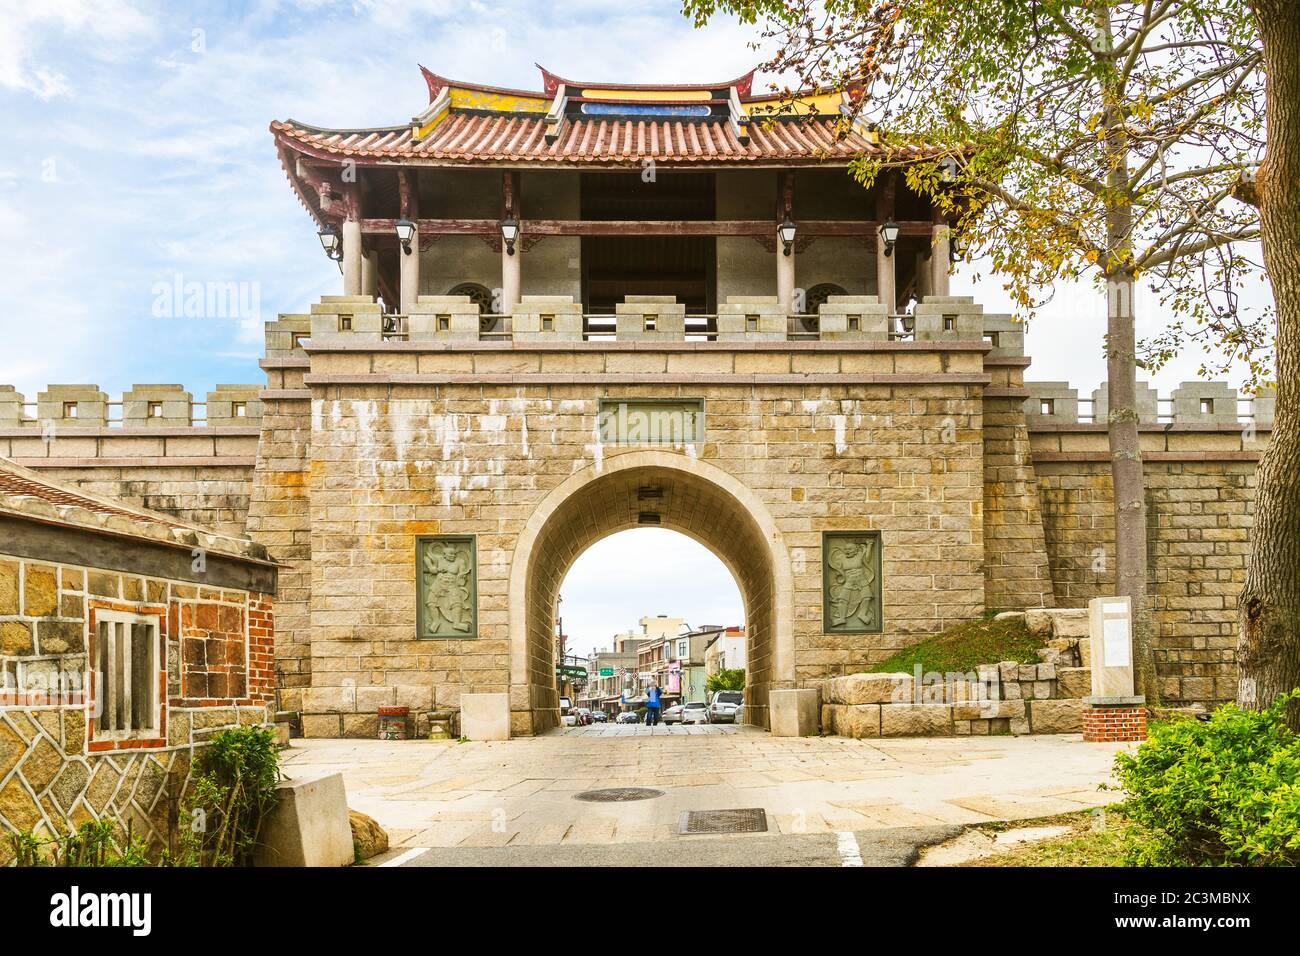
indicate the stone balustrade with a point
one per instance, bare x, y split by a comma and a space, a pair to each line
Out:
1191, 403
642, 318
141, 407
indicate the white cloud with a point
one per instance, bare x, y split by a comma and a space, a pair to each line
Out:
81, 27
644, 572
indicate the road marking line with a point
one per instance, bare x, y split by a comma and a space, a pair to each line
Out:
410, 854
847, 844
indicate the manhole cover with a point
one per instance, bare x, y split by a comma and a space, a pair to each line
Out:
722, 821
618, 795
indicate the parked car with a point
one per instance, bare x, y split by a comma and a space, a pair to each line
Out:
584, 716
599, 716
627, 717
725, 704
696, 712
672, 715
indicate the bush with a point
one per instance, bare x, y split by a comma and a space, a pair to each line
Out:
729, 678
1220, 792
234, 789
93, 844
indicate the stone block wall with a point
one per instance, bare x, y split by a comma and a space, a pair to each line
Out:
1198, 538
152, 457
56, 772
414, 439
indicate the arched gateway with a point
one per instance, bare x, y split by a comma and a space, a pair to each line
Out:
669, 490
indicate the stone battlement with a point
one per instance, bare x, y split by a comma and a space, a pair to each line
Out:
143, 407
642, 319
1196, 403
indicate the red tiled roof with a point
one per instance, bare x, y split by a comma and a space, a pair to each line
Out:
27, 495
512, 138
14, 484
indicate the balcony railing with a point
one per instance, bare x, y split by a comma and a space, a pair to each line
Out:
602, 327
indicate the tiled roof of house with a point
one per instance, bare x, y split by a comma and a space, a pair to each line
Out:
29, 495
518, 138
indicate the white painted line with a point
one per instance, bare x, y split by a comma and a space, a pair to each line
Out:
415, 851
847, 844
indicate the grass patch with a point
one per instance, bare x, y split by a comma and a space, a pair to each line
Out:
1082, 846
964, 646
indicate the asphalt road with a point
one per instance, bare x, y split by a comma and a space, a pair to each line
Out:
896, 847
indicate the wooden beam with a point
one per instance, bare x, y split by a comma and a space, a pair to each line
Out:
639, 227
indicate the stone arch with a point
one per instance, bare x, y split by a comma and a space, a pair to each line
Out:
696, 498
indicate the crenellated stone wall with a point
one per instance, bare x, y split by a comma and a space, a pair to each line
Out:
147, 449
989, 492
1200, 473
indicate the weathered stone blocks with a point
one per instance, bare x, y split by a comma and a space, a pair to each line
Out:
1055, 716
916, 720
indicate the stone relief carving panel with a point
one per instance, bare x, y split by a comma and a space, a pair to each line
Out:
446, 587
851, 585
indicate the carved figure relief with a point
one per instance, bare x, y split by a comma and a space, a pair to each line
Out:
851, 582
447, 587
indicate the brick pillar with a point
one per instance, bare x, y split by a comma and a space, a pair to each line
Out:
1114, 719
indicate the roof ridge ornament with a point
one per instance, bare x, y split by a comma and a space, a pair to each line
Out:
555, 117
551, 83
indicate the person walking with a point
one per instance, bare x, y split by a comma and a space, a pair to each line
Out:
652, 705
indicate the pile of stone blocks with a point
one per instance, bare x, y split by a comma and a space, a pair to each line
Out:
1004, 698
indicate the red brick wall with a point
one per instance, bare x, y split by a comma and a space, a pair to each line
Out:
261, 648
1111, 724
226, 648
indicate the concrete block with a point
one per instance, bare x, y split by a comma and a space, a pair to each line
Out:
795, 713
485, 716
309, 826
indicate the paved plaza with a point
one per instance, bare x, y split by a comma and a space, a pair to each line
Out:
520, 793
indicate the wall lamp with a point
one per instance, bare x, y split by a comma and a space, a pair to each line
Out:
510, 233
405, 234
786, 233
889, 236
331, 242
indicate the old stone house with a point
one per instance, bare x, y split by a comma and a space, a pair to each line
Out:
126, 638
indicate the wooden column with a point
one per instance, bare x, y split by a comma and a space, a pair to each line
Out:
409, 200
785, 278
511, 264
369, 273
352, 255
886, 287
940, 257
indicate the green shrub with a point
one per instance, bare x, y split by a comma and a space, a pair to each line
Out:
95, 843
234, 788
1222, 792
728, 678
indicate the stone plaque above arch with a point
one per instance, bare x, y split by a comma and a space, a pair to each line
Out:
446, 576
851, 585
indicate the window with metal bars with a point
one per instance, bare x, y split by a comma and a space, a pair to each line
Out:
127, 693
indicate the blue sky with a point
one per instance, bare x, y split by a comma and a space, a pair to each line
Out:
139, 152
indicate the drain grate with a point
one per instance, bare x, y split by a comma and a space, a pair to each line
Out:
750, 820
618, 795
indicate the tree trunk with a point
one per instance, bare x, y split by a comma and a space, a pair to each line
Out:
1128, 480
1268, 613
